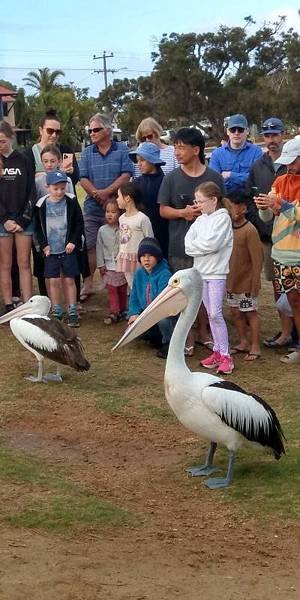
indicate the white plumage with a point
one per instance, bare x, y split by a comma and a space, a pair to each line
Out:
215, 409
45, 337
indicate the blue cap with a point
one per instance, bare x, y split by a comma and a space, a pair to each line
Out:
149, 152
56, 177
272, 125
237, 121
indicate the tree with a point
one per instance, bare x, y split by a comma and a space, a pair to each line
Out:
43, 80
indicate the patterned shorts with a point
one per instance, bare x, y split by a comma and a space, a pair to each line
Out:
286, 278
244, 302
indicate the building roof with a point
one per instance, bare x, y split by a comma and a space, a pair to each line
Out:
7, 95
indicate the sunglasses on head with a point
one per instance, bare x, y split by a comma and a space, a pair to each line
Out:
270, 126
96, 129
51, 131
147, 137
236, 129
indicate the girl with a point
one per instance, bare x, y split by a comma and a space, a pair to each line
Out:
107, 250
210, 240
134, 227
17, 199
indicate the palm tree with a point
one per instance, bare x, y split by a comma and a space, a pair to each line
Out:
43, 80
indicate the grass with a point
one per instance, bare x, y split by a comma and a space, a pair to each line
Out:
51, 502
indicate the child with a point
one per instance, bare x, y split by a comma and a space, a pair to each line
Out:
134, 226
209, 241
148, 282
51, 160
58, 228
107, 250
147, 156
243, 281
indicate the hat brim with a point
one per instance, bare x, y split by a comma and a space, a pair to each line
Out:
271, 131
286, 160
150, 159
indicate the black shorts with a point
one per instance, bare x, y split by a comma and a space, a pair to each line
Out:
61, 264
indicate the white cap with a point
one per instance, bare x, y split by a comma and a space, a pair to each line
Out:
290, 151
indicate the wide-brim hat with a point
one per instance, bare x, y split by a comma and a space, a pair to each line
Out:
149, 152
290, 151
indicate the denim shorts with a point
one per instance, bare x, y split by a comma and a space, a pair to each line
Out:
27, 231
57, 264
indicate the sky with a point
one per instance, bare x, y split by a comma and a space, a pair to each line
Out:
65, 35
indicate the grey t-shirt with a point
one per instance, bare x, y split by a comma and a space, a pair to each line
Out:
177, 190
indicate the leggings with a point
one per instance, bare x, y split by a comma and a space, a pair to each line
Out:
213, 294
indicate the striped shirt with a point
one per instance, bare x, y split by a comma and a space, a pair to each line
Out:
167, 153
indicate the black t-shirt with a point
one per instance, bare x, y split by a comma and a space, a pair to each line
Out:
177, 190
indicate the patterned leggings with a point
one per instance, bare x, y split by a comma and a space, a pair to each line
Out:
213, 294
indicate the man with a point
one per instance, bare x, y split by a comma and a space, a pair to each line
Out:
234, 159
261, 177
284, 202
176, 199
104, 166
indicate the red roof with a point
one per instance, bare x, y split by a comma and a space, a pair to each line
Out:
7, 95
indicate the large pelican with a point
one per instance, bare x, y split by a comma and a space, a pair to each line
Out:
215, 409
45, 337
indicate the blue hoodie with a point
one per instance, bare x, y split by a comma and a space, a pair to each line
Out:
146, 286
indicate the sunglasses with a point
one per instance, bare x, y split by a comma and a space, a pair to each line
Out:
147, 137
270, 126
96, 130
236, 129
51, 131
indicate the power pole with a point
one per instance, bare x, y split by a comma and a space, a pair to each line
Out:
105, 70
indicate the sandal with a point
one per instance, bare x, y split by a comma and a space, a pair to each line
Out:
110, 319
85, 295
251, 356
237, 350
291, 359
189, 351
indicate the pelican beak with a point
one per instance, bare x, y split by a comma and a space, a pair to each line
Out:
20, 311
169, 302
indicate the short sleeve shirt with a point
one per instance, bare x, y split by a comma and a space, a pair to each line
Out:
56, 223
177, 190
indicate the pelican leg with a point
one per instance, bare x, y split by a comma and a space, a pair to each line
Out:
39, 377
220, 482
207, 468
54, 376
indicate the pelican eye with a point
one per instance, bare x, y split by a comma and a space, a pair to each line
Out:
176, 282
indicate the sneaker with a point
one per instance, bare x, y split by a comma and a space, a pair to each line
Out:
291, 359
73, 320
110, 319
7, 308
123, 315
212, 361
226, 365
163, 351
57, 315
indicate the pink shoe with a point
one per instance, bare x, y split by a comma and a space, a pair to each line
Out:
212, 361
226, 365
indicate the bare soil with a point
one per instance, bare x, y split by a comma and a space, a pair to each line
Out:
186, 542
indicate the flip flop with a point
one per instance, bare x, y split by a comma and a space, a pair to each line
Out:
251, 356
236, 350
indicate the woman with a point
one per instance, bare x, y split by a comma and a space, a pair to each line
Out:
17, 198
150, 130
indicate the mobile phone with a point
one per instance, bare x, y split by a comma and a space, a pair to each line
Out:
185, 200
254, 190
67, 161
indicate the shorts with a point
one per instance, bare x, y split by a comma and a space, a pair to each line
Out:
91, 227
244, 302
286, 278
176, 263
268, 261
57, 264
27, 231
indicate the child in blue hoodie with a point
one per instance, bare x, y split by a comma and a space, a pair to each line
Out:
148, 282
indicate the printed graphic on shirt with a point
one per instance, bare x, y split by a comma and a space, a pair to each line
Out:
125, 233
10, 173
56, 219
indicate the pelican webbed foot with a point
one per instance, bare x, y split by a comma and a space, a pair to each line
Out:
53, 377
221, 482
34, 379
207, 468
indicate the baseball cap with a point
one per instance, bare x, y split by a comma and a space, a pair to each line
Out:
237, 121
290, 151
272, 125
56, 177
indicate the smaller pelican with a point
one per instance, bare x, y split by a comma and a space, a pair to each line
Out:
45, 337
217, 410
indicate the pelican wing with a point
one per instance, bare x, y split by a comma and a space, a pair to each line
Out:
54, 340
246, 413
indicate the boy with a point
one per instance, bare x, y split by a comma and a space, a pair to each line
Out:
58, 228
243, 281
148, 282
51, 159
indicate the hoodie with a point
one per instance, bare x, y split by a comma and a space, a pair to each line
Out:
17, 189
146, 286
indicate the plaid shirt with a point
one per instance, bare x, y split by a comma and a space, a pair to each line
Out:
103, 169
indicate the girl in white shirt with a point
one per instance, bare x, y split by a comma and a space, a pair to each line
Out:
209, 240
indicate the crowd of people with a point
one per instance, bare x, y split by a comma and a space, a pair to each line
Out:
150, 212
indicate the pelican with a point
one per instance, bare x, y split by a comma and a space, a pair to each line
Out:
45, 337
217, 410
